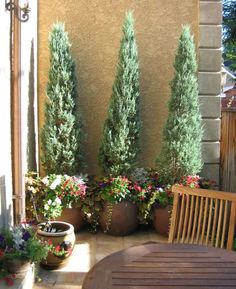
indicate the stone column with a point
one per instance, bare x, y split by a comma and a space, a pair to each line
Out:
210, 61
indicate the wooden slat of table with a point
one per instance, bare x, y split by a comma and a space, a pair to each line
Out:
164, 266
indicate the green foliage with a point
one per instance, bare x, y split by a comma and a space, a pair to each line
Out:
20, 242
181, 151
120, 140
62, 131
229, 35
48, 196
115, 190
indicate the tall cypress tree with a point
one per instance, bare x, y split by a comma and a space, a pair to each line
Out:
181, 152
61, 134
120, 140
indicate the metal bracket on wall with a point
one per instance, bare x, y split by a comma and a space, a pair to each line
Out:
22, 13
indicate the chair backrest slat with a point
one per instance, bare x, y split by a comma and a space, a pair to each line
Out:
195, 219
203, 217
199, 221
190, 223
231, 226
226, 209
204, 221
219, 224
209, 222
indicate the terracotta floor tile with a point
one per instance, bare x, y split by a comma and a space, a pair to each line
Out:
89, 249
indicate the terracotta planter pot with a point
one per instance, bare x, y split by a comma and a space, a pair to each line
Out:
119, 219
161, 219
17, 266
64, 237
72, 216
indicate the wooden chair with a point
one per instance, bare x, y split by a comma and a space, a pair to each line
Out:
204, 217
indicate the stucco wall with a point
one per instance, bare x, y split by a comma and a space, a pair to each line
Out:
95, 32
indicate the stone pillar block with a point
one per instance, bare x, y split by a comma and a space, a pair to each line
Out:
211, 152
209, 83
210, 36
210, 12
210, 60
210, 106
211, 129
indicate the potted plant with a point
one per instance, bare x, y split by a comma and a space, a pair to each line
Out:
119, 214
63, 198
20, 247
163, 201
56, 197
60, 238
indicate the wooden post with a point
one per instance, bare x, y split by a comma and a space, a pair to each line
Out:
17, 172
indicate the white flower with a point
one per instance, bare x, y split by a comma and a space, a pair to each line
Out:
17, 237
46, 207
56, 182
45, 180
58, 201
49, 202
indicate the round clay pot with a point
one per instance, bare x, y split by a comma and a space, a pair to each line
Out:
17, 266
123, 218
161, 219
64, 236
72, 216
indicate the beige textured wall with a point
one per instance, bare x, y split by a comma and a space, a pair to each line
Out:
95, 32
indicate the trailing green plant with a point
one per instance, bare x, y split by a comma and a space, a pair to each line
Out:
181, 150
62, 132
120, 140
92, 204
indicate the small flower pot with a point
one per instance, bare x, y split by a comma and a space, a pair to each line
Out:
64, 237
72, 216
119, 219
161, 219
17, 266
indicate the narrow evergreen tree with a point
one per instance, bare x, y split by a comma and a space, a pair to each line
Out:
61, 134
181, 152
120, 140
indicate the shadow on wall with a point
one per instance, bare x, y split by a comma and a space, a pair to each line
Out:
5, 210
31, 137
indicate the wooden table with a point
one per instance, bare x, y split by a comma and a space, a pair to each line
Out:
165, 266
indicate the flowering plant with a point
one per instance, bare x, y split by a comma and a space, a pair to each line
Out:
116, 189
20, 242
56, 192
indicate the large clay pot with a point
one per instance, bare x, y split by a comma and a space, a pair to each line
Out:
161, 219
17, 266
119, 219
64, 237
72, 216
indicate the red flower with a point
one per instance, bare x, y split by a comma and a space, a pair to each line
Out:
58, 248
49, 242
1, 253
137, 188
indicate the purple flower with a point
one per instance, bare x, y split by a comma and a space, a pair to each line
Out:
26, 236
2, 238
102, 185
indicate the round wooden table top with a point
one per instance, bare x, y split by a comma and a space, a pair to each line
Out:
165, 266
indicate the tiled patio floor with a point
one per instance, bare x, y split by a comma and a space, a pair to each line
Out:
89, 249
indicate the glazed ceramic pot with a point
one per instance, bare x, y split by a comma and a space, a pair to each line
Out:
72, 216
62, 239
119, 219
161, 219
